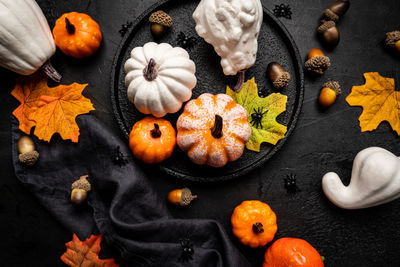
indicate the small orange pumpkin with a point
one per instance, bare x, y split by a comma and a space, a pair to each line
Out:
292, 252
152, 140
213, 130
254, 223
77, 34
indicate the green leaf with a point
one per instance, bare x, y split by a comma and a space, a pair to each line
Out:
270, 130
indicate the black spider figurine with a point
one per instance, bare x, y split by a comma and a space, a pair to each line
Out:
125, 27
118, 158
290, 184
256, 117
187, 250
283, 10
186, 42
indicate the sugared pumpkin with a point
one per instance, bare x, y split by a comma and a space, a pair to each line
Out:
77, 34
152, 140
293, 252
213, 130
254, 223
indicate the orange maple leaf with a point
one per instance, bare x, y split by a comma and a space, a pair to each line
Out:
50, 109
86, 253
379, 100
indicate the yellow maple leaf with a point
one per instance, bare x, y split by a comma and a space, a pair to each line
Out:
379, 100
267, 129
50, 109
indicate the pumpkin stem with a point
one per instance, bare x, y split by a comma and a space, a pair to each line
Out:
51, 72
258, 228
156, 133
240, 81
216, 130
70, 27
150, 72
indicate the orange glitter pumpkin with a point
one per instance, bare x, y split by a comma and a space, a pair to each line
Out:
292, 252
77, 34
213, 130
152, 140
254, 223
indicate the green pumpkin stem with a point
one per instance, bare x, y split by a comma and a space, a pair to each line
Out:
70, 27
156, 133
258, 228
216, 130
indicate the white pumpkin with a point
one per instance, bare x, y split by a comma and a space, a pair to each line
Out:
232, 27
159, 78
375, 179
26, 42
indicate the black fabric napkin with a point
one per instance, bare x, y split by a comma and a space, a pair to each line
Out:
122, 206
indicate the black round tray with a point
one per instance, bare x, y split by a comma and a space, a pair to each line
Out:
274, 44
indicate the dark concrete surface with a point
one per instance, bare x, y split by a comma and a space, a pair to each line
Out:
322, 141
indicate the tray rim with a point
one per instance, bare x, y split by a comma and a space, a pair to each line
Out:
298, 66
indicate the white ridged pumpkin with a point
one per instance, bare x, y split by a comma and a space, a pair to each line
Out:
26, 42
159, 78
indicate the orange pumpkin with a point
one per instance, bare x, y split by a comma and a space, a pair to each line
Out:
77, 34
254, 223
152, 140
213, 130
292, 252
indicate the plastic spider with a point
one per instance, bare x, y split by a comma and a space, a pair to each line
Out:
118, 157
125, 27
290, 183
256, 117
283, 10
187, 250
186, 42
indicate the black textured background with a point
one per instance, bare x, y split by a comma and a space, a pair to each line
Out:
322, 141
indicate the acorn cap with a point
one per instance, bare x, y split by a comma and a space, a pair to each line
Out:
82, 183
186, 197
318, 64
392, 38
282, 81
29, 158
161, 17
325, 26
330, 15
335, 86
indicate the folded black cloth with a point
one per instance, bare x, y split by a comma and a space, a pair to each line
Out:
122, 206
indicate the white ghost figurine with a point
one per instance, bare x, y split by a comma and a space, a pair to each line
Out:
375, 180
232, 27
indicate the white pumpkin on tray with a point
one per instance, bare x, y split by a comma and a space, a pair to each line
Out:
159, 78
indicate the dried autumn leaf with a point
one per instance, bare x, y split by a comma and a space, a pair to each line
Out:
86, 253
50, 109
269, 130
379, 100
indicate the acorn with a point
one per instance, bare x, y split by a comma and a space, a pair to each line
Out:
336, 10
317, 62
278, 76
329, 33
80, 188
181, 197
27, 153
328, 94
160, 23
393, 40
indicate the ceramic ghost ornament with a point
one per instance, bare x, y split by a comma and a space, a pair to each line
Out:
232, 27
375, 180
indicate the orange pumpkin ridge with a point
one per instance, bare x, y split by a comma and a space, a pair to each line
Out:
77, 34
152, 140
